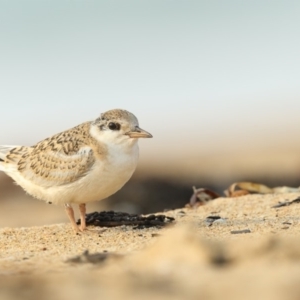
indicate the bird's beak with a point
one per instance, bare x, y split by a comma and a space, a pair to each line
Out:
138, 133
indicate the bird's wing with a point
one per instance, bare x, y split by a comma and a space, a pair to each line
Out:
53, 162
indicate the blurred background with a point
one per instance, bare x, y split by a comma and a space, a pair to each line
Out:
215, 82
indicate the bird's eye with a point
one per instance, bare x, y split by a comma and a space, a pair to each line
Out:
114, 126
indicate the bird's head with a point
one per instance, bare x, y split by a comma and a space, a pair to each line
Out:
118, 126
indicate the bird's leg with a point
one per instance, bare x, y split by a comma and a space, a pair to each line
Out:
82, 209
70, 213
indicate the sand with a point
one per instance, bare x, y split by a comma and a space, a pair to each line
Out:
191, 259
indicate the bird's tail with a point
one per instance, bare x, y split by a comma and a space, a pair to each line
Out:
4, 149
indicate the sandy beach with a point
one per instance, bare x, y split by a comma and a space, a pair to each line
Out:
245, 250
211, 91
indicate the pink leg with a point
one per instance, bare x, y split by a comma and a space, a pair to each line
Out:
70, 213
82, 209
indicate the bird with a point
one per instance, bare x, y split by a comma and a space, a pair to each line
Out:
86, 163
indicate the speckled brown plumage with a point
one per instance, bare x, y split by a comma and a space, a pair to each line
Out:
44, 164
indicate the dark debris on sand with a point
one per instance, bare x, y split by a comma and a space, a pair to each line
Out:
287, 203
112, 219
94, 258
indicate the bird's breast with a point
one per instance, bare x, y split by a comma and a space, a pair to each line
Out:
107, 176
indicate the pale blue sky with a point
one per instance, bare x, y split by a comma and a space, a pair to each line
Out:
189, 70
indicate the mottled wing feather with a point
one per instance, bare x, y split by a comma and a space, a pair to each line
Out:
59, 160
57, 168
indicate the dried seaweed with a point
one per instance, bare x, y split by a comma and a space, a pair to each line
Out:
243, 188
201, 196
113, 219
